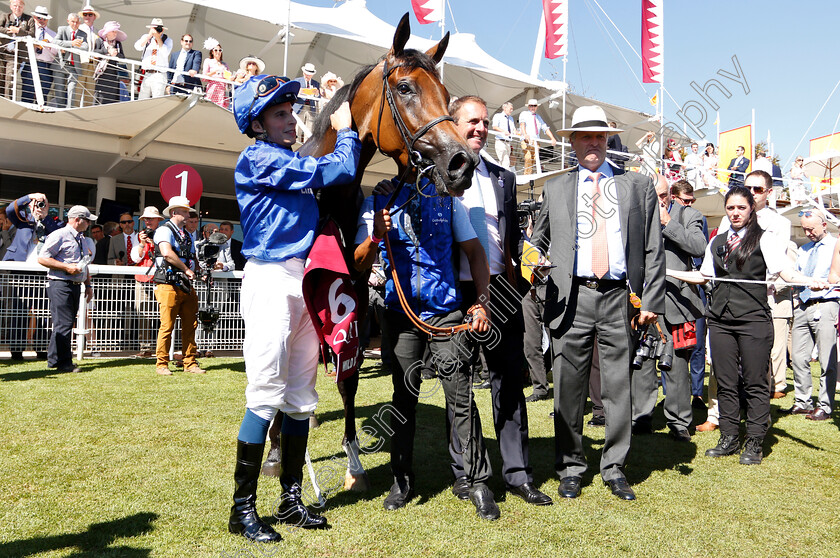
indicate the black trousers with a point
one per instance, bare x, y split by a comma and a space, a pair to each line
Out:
744, 345
450, 358
502, 348
533, 307
64, 304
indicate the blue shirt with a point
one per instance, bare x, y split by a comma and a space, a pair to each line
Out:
165, 234
274, 190
822, 251
68, 246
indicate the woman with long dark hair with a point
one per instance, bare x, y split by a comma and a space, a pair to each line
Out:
740, 324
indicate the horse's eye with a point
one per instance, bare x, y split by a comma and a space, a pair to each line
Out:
403, 88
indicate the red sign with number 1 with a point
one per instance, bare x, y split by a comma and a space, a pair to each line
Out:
181, 180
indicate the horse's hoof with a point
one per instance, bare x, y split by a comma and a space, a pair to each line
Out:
313, 422
356, 483
271, 468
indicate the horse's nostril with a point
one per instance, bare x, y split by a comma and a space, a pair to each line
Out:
457, 164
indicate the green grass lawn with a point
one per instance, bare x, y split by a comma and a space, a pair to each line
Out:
117, 461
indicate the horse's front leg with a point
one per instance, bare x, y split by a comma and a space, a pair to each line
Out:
271, 466
355, 479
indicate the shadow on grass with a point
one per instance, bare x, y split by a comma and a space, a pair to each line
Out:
96, 541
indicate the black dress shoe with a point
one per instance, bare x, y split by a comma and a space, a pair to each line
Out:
536, 396
727, 445
697, 402
483, 385
680, 435
569, 487
641, 428
621, 488
482, 498
597, 420
530, 494
396, 498
795, 410
461, 488
70, 368
817, 414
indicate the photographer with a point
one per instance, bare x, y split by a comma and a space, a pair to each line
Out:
30, 215
144, 295
175, 259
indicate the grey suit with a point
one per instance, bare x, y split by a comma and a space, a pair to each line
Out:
71, 66
575, 313
683, 238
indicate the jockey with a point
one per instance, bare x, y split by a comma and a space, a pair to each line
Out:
274, 188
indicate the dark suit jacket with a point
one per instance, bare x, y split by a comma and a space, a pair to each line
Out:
312, 83
26, 24
638, 212
508, 220
193, 62
116, 246
683, 239
737, 179
236, 254
64, 38
101, 257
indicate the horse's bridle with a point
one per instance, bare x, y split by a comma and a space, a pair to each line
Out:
415, 159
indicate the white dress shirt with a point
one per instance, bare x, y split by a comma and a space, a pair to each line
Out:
483, 193
586, 224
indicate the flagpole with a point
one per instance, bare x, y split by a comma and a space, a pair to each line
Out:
442, 33
565, 88
540, 46
288, 39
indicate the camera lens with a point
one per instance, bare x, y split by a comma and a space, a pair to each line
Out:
41, 204
159, 28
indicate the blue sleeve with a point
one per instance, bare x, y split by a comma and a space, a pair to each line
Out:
13, 215
462, 229
364, 226
276, 170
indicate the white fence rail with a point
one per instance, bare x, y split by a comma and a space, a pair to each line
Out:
122, 317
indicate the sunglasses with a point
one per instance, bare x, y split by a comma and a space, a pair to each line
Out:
806, 213
125, 222
688, 201
757, 189
187, 40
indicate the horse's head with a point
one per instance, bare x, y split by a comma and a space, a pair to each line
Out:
413, 126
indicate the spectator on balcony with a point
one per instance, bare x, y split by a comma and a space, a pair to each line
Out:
108, 72
68, 36
249, 67
155, 47
330, 83
87, 78
307, 109
187, 64
16, 24
44, 58
215, 67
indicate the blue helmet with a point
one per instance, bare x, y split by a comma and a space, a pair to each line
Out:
258, 93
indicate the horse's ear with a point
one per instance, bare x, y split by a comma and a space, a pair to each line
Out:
437, 51
401, 35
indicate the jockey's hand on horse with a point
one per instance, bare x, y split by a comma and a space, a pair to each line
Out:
384, 188
341, 118
480, 317
381, 223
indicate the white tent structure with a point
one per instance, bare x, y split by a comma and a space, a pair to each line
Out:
132, 142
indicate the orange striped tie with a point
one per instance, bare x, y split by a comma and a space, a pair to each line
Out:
600, 249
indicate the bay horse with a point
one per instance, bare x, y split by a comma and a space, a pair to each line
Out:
399, 107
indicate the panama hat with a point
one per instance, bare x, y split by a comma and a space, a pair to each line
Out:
177, 202
589, 118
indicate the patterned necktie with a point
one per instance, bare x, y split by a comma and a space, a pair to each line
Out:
39, 49
732, 243
128, 250
600, 249
70, 54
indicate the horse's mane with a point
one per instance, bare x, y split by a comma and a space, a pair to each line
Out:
410, 58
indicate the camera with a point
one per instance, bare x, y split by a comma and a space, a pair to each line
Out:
207, 251
651, 346
178, 279
150, 233
208, 316
40, 204
526, 209
159, 28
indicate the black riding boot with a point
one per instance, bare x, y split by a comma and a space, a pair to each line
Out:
243, 514
291, 509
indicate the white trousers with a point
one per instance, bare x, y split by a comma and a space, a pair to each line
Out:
281, 345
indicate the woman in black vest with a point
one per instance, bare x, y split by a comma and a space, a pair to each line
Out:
740, 325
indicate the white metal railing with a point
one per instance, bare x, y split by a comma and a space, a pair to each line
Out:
122, 316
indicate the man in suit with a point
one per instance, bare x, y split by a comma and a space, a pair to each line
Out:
682, 232
308, 109
235, 246
44, 58
122, 245
187, 62
739, 164
16, 24
86, 82
491, 204
610, 283
68, 36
